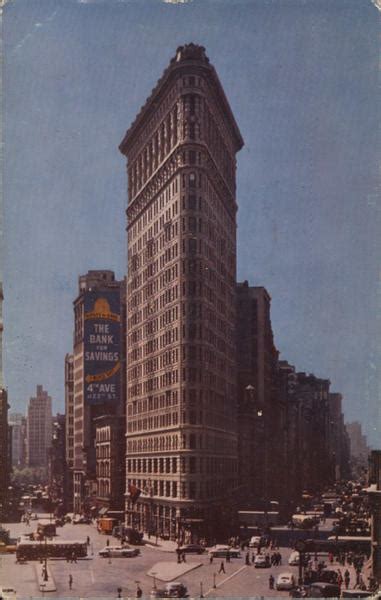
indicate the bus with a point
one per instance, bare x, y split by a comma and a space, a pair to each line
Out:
336, 544
33, 550
350, 543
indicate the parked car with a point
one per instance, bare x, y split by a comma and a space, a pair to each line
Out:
192, 548
224, 551
294, 559
324, 590
118, 551
285, 581
175, 589
261, 561
157, 593
256, 541
7, 593
81, 520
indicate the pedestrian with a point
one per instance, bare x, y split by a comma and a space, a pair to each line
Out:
108, 542
228, 557
183, 557
247, 558
139, 592
271, 581
222, 568
347, 579
88, 541
70, 581
211, 559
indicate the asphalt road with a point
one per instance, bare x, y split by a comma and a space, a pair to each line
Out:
101, 577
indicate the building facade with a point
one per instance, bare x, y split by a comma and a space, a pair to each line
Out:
181, 366
97, 374
18, 422
69, 429
260, 409
39, 428
110, 452
57, 471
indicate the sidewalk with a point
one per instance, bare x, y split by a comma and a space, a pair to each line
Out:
159, 544
168, 571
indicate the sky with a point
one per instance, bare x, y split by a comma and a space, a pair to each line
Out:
302, 79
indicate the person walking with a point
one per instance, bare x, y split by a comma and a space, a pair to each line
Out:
211, 559
347, 579
70, 581
222, 568
271, 582
247, 558
184, 557
139, 592
108, 542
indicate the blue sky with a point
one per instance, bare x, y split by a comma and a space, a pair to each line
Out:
302, 78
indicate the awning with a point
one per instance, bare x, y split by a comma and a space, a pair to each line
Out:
103, 510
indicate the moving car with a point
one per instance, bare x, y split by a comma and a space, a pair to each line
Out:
285, 581
261, 561
118, 551
175, 589
192, 548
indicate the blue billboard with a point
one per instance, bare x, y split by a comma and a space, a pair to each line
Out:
102, 346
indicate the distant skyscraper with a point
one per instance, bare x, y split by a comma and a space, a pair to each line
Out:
39, 428
181, 365
18, 423
4, 428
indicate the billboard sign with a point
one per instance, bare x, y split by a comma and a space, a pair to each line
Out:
102, 345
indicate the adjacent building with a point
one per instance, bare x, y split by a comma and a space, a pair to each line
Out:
182, 453
57, 471
39, 428
69, 429
19, 429
97, 375
260, 428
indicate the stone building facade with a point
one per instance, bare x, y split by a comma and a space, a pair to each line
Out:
181, 364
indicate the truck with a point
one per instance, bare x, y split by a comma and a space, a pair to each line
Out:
106, 525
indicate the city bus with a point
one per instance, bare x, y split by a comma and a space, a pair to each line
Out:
336, 544
349, 543
33, 550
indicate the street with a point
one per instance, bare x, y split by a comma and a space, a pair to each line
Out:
96, 576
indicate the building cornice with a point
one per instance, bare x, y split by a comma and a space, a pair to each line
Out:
188, 59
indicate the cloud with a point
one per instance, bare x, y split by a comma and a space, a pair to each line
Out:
36, 26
